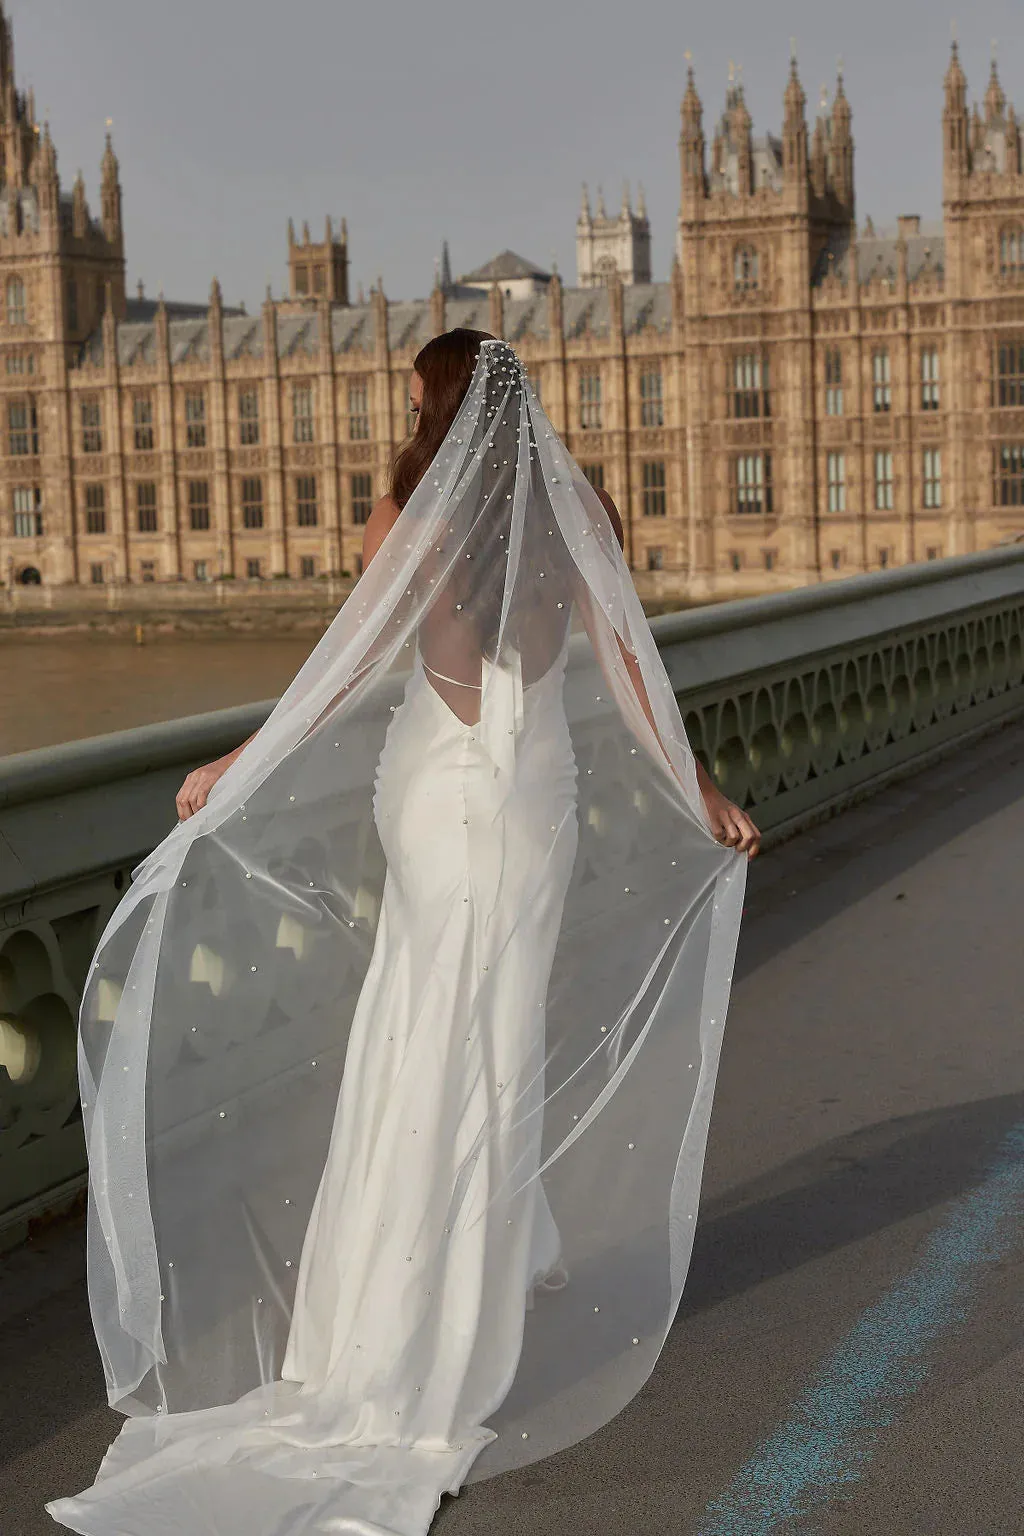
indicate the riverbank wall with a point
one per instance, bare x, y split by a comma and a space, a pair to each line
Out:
149, 611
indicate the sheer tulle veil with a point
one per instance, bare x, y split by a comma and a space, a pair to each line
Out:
216, 1015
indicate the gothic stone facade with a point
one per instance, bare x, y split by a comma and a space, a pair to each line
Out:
800, 401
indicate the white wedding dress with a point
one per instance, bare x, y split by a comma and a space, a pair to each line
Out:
397, 1058
411, 1293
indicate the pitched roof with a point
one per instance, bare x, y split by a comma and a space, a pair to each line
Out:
584, 310
878, 256
503, 267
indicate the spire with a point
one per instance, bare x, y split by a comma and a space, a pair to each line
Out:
955, 125
344, 230
6, 54
742, 126
692, 109
45, 174
555, 311
47, 157
437, 308
79, 209
1012, 142
111, 194
291, 232
842, 146
794, 132
819, 160
215, 324
641, 202
601, 212
795, 99
496, 311
584, 217
691, 140
109, 166
841, 114
379, 310
626, 211
446, 267
956, 80
995, 98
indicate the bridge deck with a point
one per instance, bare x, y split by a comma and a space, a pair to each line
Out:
848, 1357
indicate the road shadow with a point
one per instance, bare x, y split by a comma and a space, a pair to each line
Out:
842, 1192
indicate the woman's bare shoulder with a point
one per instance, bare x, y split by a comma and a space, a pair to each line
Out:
613, 513
383, 516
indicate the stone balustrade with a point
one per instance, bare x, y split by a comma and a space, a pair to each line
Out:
799, 703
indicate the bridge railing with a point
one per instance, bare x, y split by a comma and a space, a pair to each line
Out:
799, 703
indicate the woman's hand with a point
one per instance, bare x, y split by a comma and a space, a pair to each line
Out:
195, 791
731, 826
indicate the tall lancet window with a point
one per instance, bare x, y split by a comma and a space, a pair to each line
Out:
746, 269
16, 312
1011, 252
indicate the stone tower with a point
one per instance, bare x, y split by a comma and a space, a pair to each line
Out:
319, 269
982, 187
57, 262
606, 246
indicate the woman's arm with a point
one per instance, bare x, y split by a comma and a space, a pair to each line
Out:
731, 825
193, 794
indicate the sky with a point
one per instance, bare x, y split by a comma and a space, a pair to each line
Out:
457, 119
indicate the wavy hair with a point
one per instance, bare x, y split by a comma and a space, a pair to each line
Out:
446, 366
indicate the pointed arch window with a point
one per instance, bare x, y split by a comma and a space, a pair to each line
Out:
16, 312
1011, 251
746, 269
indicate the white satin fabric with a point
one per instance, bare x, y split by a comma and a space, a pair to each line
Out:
414, 1279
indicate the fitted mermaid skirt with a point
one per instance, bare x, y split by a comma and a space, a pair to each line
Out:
430, 1235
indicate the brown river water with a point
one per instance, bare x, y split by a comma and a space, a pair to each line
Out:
61, 689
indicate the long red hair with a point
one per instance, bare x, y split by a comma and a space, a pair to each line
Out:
446, 365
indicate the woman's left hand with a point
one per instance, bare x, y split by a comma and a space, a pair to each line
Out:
731, 826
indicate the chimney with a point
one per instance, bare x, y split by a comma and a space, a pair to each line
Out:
908, 224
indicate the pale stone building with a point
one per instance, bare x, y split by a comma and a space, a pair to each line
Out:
799, 401
606, 246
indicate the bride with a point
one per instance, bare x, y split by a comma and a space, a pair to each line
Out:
397, 1057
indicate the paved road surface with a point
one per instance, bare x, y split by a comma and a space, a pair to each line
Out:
848, 1358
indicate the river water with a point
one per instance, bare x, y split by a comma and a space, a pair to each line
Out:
60, 689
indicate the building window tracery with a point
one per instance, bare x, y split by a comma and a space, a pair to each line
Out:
750, 396
252, 502
92, 426
17, 313
746, 269
195, 419
302, 413
590, 401
248, 417
833, 382
142, 419
1011, 251
752, 490
145, 506
652, 411
654, 488
95, 509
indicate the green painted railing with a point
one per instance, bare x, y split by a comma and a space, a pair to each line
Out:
800, 703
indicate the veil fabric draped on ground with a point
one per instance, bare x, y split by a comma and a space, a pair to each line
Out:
397, 1058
